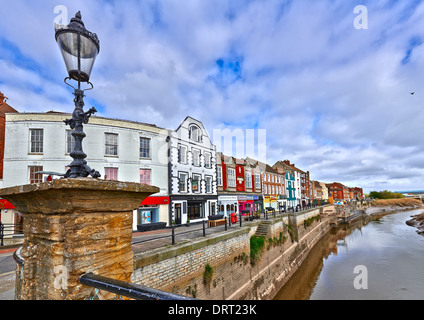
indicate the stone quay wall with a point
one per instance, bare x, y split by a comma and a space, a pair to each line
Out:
180, 269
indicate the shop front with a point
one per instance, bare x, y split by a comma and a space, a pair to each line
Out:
186, 209
259, 205
227, 205
152, 214
247, 203
270, 202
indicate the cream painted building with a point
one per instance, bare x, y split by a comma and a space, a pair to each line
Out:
324, 191
119, 149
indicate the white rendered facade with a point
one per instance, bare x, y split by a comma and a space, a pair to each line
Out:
192, 173
126, 150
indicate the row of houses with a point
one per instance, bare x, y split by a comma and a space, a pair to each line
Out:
195, 180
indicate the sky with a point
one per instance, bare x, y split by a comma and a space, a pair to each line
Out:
328, 81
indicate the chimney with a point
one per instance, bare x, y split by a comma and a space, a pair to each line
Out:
2, 97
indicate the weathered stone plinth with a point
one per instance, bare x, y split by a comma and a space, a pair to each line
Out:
75, 226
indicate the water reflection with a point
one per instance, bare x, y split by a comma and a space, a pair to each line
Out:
391, 251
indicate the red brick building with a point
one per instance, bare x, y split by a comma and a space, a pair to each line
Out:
338, 191
4, 108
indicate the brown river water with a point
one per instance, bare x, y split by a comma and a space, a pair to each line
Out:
381, 259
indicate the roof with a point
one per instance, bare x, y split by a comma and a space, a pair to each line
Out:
4, 107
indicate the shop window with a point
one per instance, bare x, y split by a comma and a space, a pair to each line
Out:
195, 210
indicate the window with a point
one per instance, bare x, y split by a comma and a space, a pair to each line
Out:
145, 176
182, 154
248, 180
196, 157
195, 134
111, 173
208, 163
70, 141
111, 144
195, 183
182, 182
258, 181
231, 177
208, 181
219, 176
196, 210
144, 147
36, 140
33, 176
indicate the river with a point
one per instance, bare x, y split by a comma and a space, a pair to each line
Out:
388, 255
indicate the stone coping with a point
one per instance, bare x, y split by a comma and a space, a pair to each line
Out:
81, 183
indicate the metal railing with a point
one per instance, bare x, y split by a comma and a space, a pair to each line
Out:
126, 289
9, 230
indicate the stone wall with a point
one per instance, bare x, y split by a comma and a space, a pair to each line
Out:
180, 269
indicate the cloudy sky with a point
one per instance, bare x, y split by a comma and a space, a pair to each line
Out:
333, 98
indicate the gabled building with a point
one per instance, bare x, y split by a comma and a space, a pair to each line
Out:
193, 192
338, 191
316, 192
239, 185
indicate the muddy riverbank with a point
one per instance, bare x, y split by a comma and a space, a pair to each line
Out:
417, 221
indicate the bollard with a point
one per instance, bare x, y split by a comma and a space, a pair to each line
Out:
225, 223
240, 219
204, 229
173, 235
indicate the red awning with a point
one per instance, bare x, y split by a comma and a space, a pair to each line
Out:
155, 201
4, 204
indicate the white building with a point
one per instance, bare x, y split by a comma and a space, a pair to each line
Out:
118, 149
192, 173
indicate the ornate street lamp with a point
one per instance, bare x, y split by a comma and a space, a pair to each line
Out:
79, 48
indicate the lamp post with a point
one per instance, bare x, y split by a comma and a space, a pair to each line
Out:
79, 48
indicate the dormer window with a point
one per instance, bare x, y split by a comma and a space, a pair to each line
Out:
195, 133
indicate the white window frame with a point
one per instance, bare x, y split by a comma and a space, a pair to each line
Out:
115, 172
248, 177
208, 184
195, 153
182, 154
208, 160
110, 144
149, 149
257, 181
180, 175
36, 141
232, 177
198, 178
219, 176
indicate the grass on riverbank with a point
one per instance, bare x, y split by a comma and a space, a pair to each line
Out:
396, 202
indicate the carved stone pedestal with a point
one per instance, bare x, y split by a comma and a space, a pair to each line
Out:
72, 227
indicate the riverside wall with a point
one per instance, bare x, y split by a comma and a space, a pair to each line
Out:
180, 269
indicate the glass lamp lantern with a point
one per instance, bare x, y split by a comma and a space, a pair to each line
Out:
79, 48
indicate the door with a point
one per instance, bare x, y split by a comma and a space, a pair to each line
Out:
178, 213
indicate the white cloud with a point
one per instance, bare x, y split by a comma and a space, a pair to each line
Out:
333, 99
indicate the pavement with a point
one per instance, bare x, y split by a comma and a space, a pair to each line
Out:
141, 242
